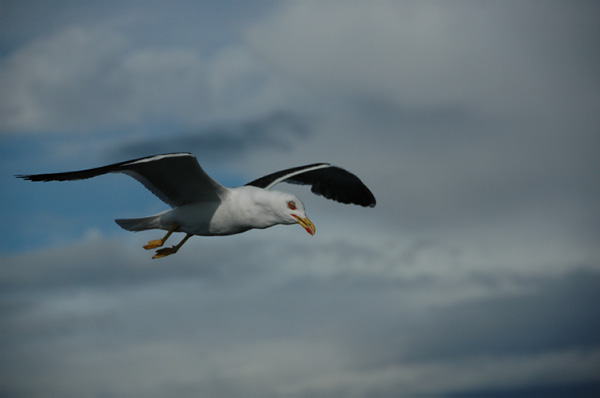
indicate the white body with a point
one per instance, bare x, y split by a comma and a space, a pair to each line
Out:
239, 210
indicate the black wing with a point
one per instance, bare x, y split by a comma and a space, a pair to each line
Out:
329, 181
177, 178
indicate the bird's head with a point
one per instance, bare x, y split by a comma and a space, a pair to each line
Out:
291, 210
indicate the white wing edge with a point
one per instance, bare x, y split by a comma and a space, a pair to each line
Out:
295, 173
159, 157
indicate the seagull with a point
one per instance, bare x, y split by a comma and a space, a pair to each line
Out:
202, 206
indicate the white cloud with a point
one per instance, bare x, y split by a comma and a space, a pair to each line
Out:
243, 85
90, 78
491, 57
57, 82
409, 53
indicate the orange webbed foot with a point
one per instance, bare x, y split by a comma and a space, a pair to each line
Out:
153, 244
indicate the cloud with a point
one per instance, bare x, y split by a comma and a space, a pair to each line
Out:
469, 104
476, 273
280, 316
421, 55
58, 77
278, 130
100, 77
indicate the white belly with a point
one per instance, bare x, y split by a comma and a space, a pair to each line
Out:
239, 211
204, 219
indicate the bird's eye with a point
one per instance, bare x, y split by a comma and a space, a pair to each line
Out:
292, 205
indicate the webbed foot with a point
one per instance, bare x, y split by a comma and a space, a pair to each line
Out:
153, 244
167, 251
164, 252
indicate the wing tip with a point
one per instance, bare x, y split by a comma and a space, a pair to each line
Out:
370, 202
373, 201
31, 177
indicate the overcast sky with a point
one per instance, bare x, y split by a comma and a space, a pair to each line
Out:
475, 124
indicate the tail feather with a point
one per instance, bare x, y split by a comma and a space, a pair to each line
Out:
139, 224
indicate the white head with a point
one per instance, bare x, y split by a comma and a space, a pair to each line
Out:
291, 210
279, 208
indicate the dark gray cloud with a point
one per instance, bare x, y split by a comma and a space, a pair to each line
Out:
264, 326
275, 131
553, 314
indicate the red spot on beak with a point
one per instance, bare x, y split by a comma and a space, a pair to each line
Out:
306, 223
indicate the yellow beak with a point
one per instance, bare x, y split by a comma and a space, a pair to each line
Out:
307, 224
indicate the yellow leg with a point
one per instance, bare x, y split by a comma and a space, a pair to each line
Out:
167, 251
153, 244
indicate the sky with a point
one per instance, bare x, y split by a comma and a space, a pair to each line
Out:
475, 124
